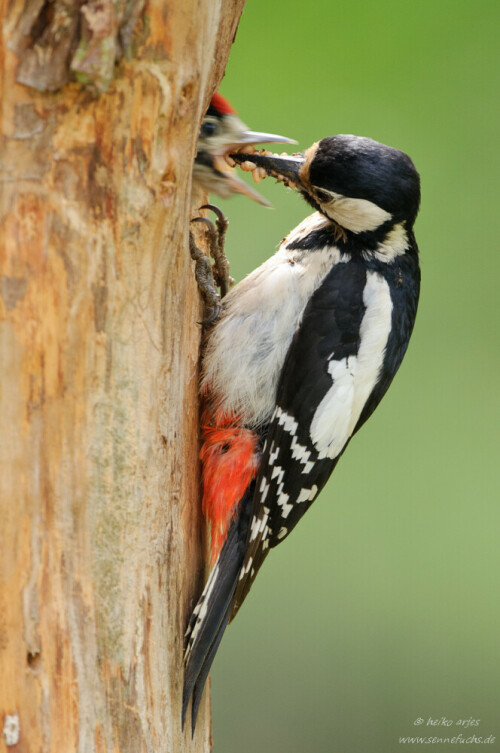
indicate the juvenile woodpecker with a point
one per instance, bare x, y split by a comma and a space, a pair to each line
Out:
305, 348
223, 132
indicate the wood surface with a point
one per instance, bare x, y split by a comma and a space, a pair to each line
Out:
101, 531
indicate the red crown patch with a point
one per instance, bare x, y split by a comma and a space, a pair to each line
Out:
221, 104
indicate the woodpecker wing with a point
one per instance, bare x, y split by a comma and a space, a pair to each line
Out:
340, 363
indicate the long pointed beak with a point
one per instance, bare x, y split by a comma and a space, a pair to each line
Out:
237, 185
286, 167
256, 137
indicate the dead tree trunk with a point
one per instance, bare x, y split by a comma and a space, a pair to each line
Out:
101, 531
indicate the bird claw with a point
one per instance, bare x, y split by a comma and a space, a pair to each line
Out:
209, 277
222, 221
204, 277
217, 241
212, 317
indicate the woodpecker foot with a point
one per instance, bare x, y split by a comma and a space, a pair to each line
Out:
204, 277
216, 241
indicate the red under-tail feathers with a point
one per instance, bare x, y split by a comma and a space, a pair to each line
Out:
230, 461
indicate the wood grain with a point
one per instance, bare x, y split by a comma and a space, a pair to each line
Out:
102, 538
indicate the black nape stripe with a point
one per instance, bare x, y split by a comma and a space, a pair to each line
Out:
348, 242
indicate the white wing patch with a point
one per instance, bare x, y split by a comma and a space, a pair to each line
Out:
374, 334
330, 425
354, 377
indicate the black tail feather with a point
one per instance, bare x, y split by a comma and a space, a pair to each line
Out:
210, 623
211, 615
202, 677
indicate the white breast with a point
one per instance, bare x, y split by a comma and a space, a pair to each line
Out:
245, 351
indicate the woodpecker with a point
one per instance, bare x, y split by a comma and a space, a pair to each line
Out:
305, 348
222, 132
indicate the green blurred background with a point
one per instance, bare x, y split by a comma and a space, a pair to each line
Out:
382, 607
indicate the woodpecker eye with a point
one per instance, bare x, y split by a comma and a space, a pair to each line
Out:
208, 128
323, 197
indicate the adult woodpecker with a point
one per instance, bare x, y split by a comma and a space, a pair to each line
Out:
223, 132
305, 348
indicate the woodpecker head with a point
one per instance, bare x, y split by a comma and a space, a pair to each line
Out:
356, 182
223, 132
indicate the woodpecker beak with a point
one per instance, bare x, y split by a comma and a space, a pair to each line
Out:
285, 168
255, 137
246, 138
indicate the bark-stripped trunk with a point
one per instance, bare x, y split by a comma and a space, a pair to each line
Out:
101, 535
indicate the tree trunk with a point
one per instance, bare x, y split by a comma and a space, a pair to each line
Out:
102, 544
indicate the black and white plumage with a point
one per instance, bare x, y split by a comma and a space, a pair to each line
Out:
305, 349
